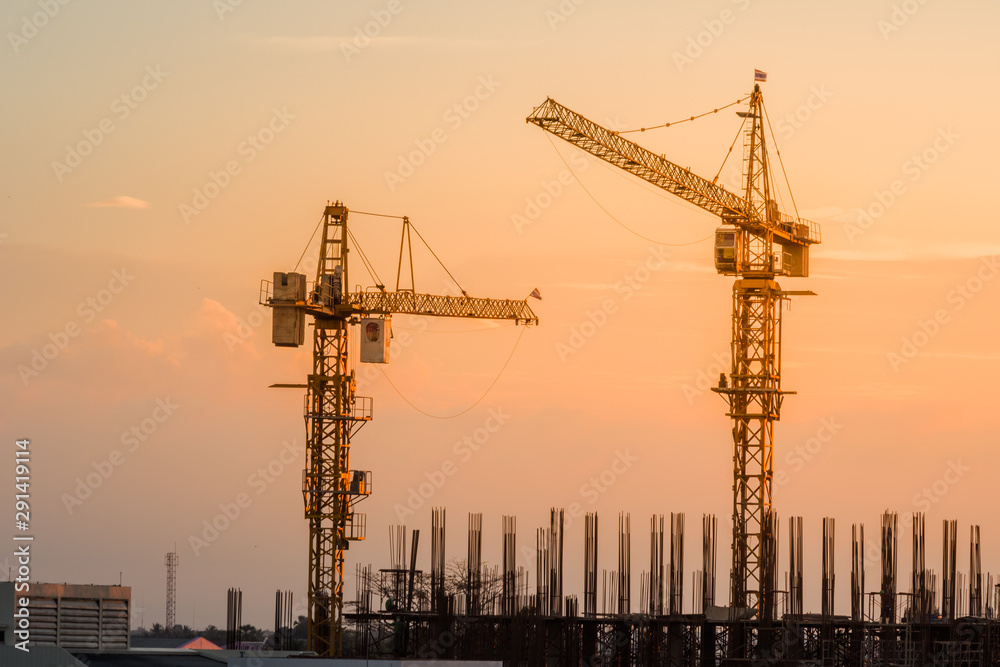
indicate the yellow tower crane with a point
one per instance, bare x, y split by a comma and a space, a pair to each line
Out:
333, 413
756, 244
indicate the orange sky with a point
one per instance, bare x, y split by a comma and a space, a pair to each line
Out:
163, 158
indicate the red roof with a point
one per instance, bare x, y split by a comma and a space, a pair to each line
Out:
200, 643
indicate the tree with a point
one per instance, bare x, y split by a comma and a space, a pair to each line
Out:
301, 625
457, 580
182, 632
250, 633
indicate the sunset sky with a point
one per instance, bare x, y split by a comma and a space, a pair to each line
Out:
163, 158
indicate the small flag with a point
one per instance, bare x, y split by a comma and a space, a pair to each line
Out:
535, 293
759, 76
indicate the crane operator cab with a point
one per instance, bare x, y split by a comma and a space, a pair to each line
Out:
727, 249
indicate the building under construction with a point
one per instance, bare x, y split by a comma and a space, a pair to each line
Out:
522, 617
473, 612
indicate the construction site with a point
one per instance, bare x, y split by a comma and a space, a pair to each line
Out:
930, 613
177, 341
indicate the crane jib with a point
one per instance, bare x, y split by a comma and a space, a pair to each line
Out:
613, 148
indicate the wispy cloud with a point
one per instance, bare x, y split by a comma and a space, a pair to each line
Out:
306, 44
903, 253
121, 201
884, 390
830, 214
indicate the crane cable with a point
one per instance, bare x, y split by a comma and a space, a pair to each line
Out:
685, 120
478, 401
730, 151
379, 215
460, 331
371, 270
368, 265
780, 162
308, 243
610, 214
434, 254
419, 236
364, 258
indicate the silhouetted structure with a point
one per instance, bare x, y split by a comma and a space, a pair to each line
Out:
547, 628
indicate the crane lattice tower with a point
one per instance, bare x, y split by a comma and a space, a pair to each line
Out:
171, 561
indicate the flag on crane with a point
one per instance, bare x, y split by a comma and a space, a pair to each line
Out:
535, 293
759, 76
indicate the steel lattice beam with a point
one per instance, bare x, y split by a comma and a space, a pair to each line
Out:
409, 303
613, 148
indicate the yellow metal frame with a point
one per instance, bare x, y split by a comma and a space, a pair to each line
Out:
333, 413
769, 243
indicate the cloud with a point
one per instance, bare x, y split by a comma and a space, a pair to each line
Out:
904, 253
121, 201
831, 214
307, 44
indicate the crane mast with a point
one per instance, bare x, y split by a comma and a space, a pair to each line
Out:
756, 244
334, 413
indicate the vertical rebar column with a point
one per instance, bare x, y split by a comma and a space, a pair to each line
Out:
829, 575
795, 564
414, 541
278, 617
857, 571
975, 574
507, 606
555, 562
890, 521
697, 585
624, 563
989, 597
919, 608
474, 563
769, 566
961, 596
437, 560
676, 563
283, 620
397, 547
542, 557
362, 593
948, 568
708, 552
590, 564
234, 618
656, 526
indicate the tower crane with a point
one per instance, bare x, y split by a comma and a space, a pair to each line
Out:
333, 413
756, 243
